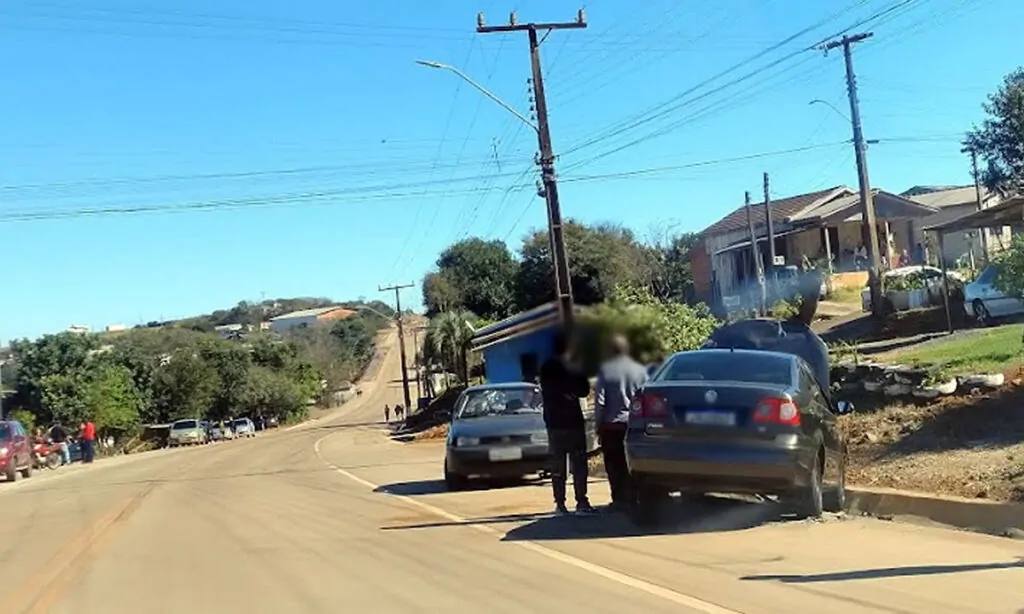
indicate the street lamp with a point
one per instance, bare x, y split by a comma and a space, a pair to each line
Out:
483, 90
831, 106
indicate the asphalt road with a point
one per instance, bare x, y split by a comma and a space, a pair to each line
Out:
333, 517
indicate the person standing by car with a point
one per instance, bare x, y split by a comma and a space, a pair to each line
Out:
59, 436
562, 386
87, 440
619, 379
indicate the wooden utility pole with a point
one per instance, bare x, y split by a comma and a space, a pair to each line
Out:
397, 288
869, 232
563, 282
756, 254
417, 362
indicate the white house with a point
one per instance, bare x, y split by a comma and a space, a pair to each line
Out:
308, 317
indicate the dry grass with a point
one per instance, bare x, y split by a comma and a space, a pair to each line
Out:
433, 433
969, 447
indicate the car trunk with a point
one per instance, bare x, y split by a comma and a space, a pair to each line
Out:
728, 417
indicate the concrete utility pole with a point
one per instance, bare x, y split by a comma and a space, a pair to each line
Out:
980, 201
563, 282
771, 229
869, 232
756, 254
397, 288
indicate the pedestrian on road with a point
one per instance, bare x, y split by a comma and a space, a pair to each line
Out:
387, 413
399, 412
562, 387
87, 441
59, 436
619, 379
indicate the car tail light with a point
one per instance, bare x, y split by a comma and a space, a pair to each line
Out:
777, 411
649, 405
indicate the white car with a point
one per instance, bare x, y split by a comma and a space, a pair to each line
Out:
219, 434
983, 301
244, 427
932, 276
186, 433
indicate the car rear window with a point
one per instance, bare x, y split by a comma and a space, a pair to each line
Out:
5, 431
184, 424
716, 366
241, 422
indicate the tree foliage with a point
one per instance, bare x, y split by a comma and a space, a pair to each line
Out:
1010, 268
999, 142
472, 274
447, 342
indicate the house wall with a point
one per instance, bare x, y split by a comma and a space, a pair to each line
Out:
281, 325
700, 266
502, 360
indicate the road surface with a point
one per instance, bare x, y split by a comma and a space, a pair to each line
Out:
333, 517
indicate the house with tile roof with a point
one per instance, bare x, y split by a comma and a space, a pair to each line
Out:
824, 226
309, 317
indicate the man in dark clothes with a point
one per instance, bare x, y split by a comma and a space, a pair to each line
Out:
618, 381
562, 386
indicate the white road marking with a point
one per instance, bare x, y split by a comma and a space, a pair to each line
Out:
655, 590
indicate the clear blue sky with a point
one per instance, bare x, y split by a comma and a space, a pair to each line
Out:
349, 166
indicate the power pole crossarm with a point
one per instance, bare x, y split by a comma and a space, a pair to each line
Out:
397, 288
563, 282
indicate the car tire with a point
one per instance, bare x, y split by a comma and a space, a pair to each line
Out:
453, 481
981, 314
27, 471
835, 499
11, 474
53, 461
809, 503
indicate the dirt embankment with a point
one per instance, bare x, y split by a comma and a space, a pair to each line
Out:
966, 446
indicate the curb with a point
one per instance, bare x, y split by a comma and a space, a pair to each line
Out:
973, 514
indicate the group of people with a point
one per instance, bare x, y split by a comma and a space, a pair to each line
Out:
563, 385
399, 413
57, 435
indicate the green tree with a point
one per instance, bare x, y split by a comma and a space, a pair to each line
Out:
448, 340
65, 354
112, 400
666, 270
1010, 268
999, 142
473, 274
270, 393
231, 364
601, 257
63, 398
185, 386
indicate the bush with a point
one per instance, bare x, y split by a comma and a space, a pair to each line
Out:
25, 417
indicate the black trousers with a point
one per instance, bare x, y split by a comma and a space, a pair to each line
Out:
613, 449
88, 450
568, 447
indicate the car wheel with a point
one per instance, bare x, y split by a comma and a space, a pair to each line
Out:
981, 314
836, 500
648, 506
53, 461
453, 481
810, 502
11, 474
27, 471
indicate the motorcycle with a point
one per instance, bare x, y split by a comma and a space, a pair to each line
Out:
46, 455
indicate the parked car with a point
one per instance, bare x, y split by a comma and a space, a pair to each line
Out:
497, 430
243, 427
186, 433
15, 450
222, 434
984, 301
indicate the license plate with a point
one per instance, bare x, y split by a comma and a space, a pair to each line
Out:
711, 418
505, 454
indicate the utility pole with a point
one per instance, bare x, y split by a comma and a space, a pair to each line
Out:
563, 282
869, 232
397, 288
417, 362
755, 253
771, 229
977, 196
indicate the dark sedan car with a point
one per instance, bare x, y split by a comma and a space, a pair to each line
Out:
497, 430
736, 422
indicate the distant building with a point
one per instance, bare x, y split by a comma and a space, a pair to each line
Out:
230, 331
308, 317
114, 328
79, 329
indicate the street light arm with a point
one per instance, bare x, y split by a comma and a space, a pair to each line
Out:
481, 88
831, 106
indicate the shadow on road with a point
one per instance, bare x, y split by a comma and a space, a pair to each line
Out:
705, 515
434, 487
886, 572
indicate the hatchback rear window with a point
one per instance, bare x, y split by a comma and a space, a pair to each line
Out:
185, 424
714, 366
5, 432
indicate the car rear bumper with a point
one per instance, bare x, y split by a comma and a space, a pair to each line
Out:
476, 462
767, 469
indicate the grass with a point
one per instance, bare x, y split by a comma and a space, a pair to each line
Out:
995, 350
850, 296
